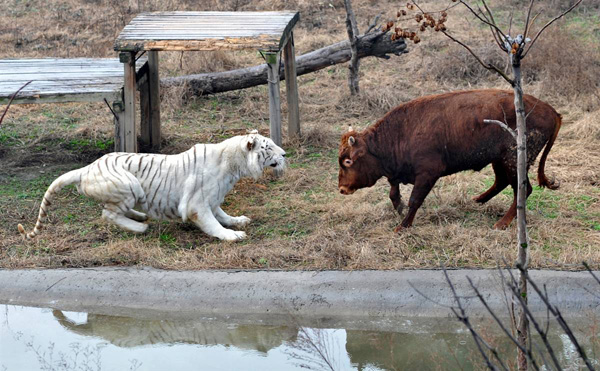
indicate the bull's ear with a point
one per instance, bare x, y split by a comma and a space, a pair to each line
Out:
351, 141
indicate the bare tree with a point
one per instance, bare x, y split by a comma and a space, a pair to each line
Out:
516, 48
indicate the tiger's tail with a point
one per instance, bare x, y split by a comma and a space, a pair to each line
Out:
71, 177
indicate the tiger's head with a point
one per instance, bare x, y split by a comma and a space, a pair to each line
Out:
262, 153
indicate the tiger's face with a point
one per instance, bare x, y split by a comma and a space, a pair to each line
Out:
263, 152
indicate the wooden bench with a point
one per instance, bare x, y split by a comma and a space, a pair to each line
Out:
68, 80
268, 32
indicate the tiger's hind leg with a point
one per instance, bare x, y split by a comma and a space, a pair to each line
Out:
136, 215
119, 213
119, 219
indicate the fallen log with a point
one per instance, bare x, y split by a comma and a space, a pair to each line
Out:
376, 44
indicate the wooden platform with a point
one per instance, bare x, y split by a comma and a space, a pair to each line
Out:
70, 80
61, 80
268, 32
207, 31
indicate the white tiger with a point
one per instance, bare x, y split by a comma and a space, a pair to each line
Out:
189, 186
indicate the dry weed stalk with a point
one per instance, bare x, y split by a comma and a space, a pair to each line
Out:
12, 97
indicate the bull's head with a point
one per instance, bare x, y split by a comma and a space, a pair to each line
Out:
359, 168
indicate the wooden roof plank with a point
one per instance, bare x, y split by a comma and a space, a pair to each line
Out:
62, 80
182, 30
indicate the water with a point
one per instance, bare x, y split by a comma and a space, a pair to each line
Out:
46, 339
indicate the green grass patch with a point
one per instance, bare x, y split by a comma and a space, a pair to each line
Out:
546, 202
168, 240
9, 138
27, 190
86, 144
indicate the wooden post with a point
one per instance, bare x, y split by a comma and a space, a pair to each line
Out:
145, 129
154, 91
291, 88
274, 98
119, 130
128, 124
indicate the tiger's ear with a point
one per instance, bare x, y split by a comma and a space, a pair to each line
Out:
251, 143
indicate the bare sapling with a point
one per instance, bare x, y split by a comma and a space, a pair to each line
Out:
516, 48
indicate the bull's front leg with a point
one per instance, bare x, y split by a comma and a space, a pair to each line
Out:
396, 197
423, 185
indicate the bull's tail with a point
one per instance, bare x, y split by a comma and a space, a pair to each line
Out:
64, 180
542, 180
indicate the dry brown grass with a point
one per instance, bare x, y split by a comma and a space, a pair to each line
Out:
299, 221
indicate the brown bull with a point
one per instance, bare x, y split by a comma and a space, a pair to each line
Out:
431, 137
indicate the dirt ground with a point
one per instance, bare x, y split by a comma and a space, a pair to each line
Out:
300, 221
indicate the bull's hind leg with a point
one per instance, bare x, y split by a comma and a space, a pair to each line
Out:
512, 211
500, 183
395, 197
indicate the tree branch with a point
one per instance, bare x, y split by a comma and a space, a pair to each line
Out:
516, 292
481, 19
499, 322
373, 24
502, 125
527, 19
547, 25
560, 319
587, 267
462, 317
498, 36
487, 66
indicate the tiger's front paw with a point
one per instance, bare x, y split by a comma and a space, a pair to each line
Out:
241, 221
231, 235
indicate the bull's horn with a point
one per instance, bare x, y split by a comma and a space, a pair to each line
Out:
350, 128
351, 141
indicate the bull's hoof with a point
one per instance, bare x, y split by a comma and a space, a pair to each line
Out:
400, 208
399, 229
480, 199
501, 225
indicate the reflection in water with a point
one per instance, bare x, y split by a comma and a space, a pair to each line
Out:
449, 351
180, 344
130, 332
311, 348
405, 351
